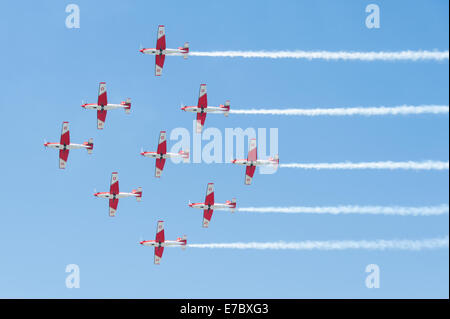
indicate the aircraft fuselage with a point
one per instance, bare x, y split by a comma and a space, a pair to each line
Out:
109, 195
160, 156
166, 243
71, 146
208, 109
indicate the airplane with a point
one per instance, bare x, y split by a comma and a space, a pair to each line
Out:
64, 145
161, 51
209, 205
202, 108
252, 161
113, 195
159, 243
161, 154
102, 106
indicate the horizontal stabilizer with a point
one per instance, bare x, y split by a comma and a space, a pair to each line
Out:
127, 104
185, 155
233, 207
184, 238
185, 50
90, 145
226, 106
276, 161
138, 193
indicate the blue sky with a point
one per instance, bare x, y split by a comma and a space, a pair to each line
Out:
50, 218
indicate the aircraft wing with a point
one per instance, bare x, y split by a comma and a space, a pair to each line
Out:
201, 117
102, 99
202, 103
113, 206
161, 38
114, 187
160, 231
159, 166
65, 140
162, 149
249, 172
101, 118
159, 239
63, 156
209, 200
202, 97
207, 215
162, 143
160, 45
159, 64
158, 254
65, 134
252, 156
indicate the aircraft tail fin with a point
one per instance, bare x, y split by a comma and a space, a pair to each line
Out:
138, 193
127, 104
185, 50
185, 155
184, 239
90, 145
226, 106
233, 205
276, 161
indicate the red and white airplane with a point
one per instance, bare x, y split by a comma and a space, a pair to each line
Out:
161, 154
64, 145
202, 108
209, 205
113, 195
159, 243
252, 161
102, 106
161, 51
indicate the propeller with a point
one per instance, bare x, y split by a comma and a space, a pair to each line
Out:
45, 142
182, 105
140, 47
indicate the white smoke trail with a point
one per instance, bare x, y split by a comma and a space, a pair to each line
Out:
352, 209
433, 243
330, 55
349, 111
410, 165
